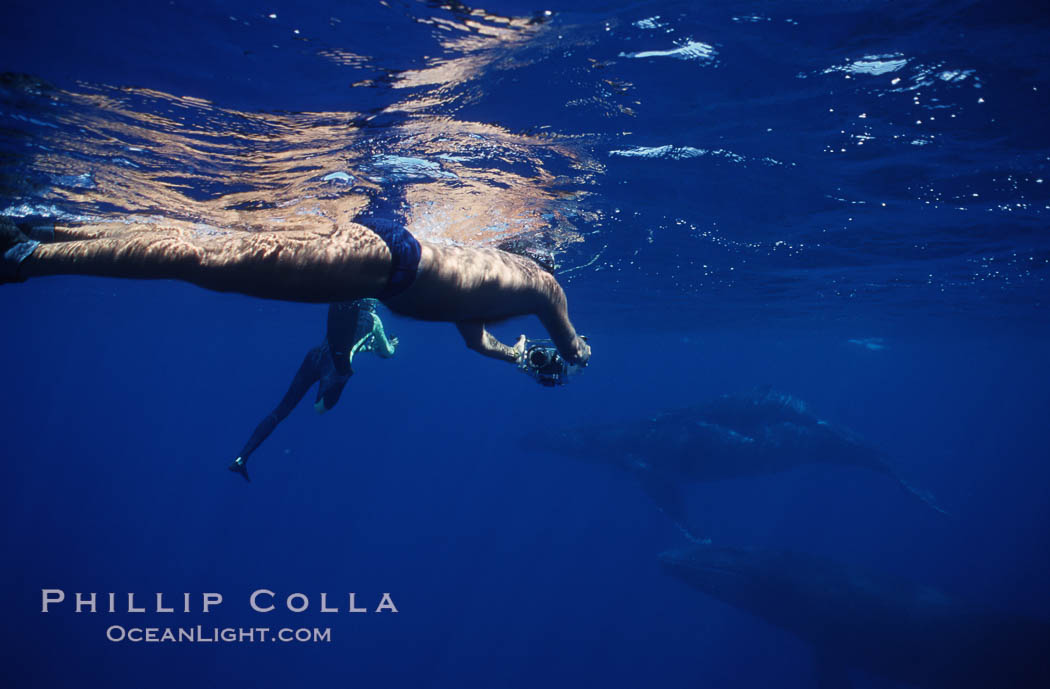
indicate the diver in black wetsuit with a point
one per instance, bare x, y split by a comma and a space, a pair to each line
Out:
353, 327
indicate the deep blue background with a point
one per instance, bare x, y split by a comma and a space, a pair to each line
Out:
124, 402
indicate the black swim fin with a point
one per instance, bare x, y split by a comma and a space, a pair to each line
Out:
15, 247
239, 466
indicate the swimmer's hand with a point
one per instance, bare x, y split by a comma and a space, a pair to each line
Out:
583, 352
519, 349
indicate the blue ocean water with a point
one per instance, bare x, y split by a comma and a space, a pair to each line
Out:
845, 200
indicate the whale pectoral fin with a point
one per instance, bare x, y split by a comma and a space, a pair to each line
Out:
667, 497
923, 495
830, 671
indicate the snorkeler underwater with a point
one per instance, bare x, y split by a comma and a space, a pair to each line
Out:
783, 265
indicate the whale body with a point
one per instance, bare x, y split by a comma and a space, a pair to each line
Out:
894, 628
761, 432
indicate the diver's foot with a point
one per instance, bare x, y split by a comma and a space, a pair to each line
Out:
239, 466
15, 247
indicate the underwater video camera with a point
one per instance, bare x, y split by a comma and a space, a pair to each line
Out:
543, 362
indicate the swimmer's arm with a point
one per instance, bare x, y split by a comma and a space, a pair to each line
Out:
555, 318
478, 339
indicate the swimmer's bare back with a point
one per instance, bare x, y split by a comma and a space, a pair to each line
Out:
471, 286
464, 285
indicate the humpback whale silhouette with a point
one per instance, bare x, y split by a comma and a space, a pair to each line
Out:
761, 432
890, 627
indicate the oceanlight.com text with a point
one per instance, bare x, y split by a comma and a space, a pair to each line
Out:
201, 634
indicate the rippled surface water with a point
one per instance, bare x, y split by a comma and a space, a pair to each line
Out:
735, 157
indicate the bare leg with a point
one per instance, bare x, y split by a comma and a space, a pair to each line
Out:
295, 265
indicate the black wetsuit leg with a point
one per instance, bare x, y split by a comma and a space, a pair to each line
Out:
331, 386
309, 373
343, 333
348, 322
